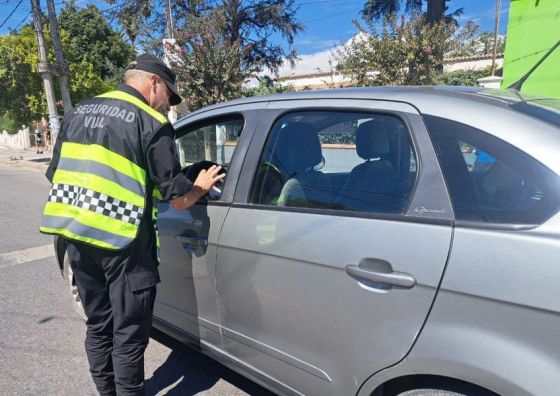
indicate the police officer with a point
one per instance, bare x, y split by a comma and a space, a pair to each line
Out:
114, 157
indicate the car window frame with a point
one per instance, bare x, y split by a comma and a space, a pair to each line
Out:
251, 114
477, 224
418, 135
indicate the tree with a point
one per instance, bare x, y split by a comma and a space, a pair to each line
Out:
222, 43
94, 53
208, 66
375, 10
403, 53
92, 40
21, 90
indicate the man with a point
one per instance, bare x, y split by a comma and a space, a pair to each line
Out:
114, 154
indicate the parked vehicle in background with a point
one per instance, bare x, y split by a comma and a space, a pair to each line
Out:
372, 241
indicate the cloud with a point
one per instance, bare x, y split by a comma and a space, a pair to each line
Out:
317, 62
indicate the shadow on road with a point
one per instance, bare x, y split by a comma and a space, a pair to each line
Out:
188, 372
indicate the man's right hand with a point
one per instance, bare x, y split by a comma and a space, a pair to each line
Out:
208, 177
203, 183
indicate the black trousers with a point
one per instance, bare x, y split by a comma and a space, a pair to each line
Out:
118, 291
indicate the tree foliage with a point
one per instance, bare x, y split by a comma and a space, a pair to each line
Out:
94, 55
222, 43
403, 52
21, 88
208, 66
92, 40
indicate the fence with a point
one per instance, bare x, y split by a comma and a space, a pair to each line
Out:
19, 140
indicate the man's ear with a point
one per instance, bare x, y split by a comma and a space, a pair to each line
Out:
153, 81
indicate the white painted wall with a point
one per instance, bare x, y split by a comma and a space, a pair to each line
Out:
19, 140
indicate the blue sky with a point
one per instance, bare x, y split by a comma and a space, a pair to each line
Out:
327, 21
330, 21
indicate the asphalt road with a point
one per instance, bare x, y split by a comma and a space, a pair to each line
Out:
41, 336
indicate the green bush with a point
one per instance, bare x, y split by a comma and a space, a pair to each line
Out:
461, 77
8, 124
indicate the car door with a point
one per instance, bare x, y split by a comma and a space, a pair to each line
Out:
186, 297
331, 255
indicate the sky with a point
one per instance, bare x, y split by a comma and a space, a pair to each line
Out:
327, 23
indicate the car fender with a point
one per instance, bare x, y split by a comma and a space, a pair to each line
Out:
492, 359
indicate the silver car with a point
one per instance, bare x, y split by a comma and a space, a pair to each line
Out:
374, 241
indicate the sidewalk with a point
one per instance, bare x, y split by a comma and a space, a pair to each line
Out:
26, 159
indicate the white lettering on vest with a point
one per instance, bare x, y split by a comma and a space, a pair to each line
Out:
122, 114
130, 117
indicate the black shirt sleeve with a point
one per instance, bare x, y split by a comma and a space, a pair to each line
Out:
163, 164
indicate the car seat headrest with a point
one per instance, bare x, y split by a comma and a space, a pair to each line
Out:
298, 147
372, 137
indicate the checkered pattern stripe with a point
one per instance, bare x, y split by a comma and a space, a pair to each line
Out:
96, 202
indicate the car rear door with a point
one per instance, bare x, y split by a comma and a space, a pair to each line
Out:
322, 282
186, 297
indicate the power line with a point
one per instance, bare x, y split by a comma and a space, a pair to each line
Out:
325, 2
328, 16
23, 21
11, 13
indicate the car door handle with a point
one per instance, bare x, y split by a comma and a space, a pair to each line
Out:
398, 279
193, 241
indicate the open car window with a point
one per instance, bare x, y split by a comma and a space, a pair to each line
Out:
213, 140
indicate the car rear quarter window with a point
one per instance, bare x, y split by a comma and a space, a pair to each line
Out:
349, 161
491, 181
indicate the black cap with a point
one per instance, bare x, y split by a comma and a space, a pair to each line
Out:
152, 64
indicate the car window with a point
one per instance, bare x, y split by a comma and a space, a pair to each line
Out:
210, 141
490, 180
361, 162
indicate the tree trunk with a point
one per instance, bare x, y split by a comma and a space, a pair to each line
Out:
436, 11
435, 14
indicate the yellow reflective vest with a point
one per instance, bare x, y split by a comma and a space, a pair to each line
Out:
100, 186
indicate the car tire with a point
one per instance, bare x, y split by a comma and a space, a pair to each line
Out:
430, 392
69, 279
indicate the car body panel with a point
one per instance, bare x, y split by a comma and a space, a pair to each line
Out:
286, 303
188, 300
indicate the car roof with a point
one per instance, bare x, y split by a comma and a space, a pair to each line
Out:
490, 110
419, 96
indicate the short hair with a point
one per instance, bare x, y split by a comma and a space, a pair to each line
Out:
136, 75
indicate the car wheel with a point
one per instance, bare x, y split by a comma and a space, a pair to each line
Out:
430, 392
69, 278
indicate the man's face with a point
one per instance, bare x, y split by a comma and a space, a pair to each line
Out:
160, 95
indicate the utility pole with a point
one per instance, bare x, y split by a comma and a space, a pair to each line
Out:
44, 69
168, 50
496, 26
60, 70
169, 19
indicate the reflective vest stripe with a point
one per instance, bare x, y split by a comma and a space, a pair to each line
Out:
74, 229
99, 184
104, 171
135, 101
91, 219
96, 202
100, 154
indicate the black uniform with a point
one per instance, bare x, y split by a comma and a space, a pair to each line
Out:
117, 288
